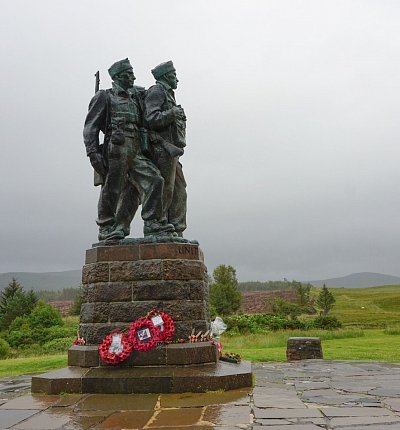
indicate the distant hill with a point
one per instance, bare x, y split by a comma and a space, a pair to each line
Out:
53, 281
43, 281
358, 280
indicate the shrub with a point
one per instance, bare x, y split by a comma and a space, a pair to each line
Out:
58, 332
38, 335
18, 338
327, 322
261, 323
29, 350
44, 315
4, 349
286, 309
58, 345
20, 323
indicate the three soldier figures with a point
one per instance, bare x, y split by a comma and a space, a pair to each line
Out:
138, 162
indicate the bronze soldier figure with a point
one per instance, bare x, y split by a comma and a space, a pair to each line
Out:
167, 124
117, 112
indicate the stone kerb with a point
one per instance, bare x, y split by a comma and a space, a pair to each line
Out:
123, 283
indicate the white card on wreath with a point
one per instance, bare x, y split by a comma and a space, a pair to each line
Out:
116, 345
157, 320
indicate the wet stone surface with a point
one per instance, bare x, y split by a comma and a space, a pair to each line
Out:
302, 395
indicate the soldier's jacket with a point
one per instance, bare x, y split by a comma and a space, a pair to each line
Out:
115, 112
159, 118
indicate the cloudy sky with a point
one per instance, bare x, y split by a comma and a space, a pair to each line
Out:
293, 131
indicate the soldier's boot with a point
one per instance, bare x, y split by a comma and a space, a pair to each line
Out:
104, 231
158, 229
116, 234
110, 232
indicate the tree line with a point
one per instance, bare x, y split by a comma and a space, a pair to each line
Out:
225, 295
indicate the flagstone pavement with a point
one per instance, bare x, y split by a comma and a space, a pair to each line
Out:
305, 395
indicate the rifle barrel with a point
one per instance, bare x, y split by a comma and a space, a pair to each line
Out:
97, 82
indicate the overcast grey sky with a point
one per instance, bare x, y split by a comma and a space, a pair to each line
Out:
293, 131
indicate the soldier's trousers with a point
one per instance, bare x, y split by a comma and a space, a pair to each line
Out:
178, 207
126, 163
174, 195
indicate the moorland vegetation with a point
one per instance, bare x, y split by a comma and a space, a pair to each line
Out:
362, 323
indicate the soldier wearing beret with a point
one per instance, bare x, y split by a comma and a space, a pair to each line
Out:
167, 124
128, 176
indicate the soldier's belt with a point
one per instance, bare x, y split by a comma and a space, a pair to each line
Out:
130, 127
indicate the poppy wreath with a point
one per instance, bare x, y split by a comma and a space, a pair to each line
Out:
168, 328
115, 357
147, 344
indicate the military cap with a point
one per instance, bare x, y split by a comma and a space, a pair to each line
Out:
162, 69
119, 67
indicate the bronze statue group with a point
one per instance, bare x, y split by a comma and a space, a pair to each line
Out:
138, 161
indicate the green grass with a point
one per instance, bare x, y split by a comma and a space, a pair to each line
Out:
21, 366
374, 307
336, 345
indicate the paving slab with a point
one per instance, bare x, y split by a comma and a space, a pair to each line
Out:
373, 427
310, 385
356, 421
355, 412
39, 402
10, 417
14, 386
286, 413
334, 398
187, 400
386, 391
293, 427
272, 422
317, 421
392, 403
177, 417
195, 427
227, 415
126, 420
118, 402
69, 399
280, 399
45, 421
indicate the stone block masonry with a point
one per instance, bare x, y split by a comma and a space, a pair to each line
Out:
303, 348
123, 282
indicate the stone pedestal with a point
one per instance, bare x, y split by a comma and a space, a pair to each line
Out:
303, 348
122, 283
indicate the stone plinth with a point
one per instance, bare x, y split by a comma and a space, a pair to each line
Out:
303, 348
163, 355
122, 283
162, 379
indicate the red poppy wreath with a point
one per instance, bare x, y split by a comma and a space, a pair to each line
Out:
164, 325
115, 348
143, 335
